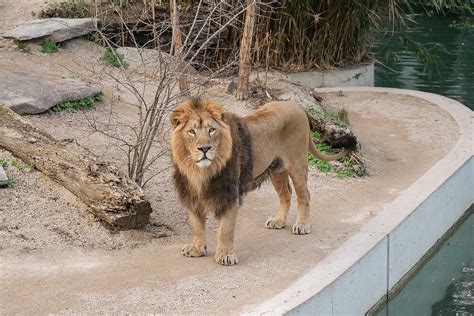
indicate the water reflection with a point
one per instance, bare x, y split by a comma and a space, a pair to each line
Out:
453, 77
459, 298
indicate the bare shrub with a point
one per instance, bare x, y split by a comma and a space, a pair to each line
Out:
155, 80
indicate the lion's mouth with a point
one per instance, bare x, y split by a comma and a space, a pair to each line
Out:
204, 162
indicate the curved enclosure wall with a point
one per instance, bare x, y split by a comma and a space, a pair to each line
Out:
379, 257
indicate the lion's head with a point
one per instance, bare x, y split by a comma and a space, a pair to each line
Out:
201, 141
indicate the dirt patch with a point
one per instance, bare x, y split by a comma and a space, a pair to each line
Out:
49, 241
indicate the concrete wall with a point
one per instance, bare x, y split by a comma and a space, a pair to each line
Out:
356, 76
429, 285
366, 267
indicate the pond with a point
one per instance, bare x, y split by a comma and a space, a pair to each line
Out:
448, 37
445, 284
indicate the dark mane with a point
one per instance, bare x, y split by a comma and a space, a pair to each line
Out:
196, 103
226, 188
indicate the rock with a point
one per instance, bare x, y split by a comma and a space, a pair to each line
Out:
3, 178
27, 92
56, 29
232, 87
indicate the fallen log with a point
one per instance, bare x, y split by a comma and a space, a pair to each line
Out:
280, 88
332, 132
110, 195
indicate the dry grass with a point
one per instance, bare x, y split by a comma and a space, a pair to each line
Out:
291, 35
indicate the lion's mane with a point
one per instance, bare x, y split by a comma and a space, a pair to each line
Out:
226, 186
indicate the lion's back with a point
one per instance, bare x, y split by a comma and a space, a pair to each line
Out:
278, 130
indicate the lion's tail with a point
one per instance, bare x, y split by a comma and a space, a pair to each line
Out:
321, 156
348, 142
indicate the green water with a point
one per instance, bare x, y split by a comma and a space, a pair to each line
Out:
445, 284
453, 76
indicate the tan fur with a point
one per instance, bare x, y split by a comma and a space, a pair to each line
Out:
185, 154
279, 132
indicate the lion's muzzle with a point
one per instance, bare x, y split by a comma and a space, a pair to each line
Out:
207, 154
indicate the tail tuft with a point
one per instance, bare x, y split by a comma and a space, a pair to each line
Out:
348, 142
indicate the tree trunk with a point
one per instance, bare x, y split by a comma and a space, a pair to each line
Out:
178, 47
245, 50
111, 196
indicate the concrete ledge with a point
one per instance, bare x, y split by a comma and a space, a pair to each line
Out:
365, 268
355, 76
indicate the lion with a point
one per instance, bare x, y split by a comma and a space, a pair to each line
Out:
219, 157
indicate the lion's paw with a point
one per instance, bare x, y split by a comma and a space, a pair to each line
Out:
301, 229
225, 258
193, 251
273, 223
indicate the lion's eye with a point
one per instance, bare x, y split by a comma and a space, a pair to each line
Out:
212, 130
191, 132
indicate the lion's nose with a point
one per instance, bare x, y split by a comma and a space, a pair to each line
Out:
204, 149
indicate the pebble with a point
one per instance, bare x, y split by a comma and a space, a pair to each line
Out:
3, 177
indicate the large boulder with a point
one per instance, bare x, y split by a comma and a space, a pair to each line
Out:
26, 92
56, 29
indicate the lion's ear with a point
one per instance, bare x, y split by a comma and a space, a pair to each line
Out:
178, 116
215, 110
225, 117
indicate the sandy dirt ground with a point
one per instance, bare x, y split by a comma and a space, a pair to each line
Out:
57, 258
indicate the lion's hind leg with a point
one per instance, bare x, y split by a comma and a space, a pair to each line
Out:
281, 183
299, 176
198, 224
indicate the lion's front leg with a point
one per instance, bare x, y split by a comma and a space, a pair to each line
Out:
198, 224
225, 239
